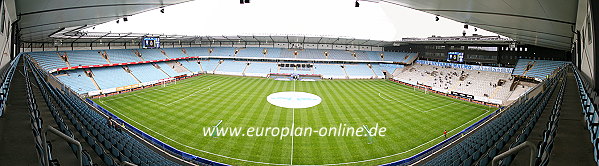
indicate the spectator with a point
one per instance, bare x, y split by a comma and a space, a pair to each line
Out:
109, 121
445, 134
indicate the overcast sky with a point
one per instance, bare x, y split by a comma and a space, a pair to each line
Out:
332, 18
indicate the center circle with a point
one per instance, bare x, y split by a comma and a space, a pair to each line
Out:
294, 99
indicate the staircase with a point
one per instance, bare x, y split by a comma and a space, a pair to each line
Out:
158, 67
177, 67
130, 73
344, 72
244, 69
65, 61
396, 72
105, 56
138, 54
164, 53
201, 68
217, 65
531, 66
373, 72
95, 84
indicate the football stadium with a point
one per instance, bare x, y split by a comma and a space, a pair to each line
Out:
281, 82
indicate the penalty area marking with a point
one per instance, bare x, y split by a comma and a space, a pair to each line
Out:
393, 99
265, 163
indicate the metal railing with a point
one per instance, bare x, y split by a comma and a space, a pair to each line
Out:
515, 150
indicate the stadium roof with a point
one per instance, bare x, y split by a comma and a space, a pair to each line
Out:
542, 23
38, 19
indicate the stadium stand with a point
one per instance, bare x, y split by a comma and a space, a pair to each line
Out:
480, 147
85, 58
222, 51
167, 69
480, 84
231, 67
359, 71
48, 60
112, 77
329, 71
311, 54
77, 80
122, 56
250, 52
538, 69
406, 58
273, 52
192, 65
261, 69
174, 52
378, 71
209, 65
374, 55
151, 54
198, 51
172, 68
112, 144
146, 72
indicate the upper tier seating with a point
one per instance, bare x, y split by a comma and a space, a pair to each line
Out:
400, 57
151, 54
122, 56
174, 52
48, 60
85, 58
250, 52
51, 60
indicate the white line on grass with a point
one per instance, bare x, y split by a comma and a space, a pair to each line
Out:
192, 94
265, 163
256, 162
150, 100
399, 102
292, 126
293, 120
453, 102
441, 136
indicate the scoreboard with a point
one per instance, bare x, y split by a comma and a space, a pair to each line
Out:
455, 57
150, 42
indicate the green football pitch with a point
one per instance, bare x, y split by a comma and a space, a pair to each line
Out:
178, 113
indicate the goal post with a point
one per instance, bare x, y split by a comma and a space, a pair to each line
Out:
169, 83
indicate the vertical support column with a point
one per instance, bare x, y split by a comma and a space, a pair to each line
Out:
594, 4
15, 42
